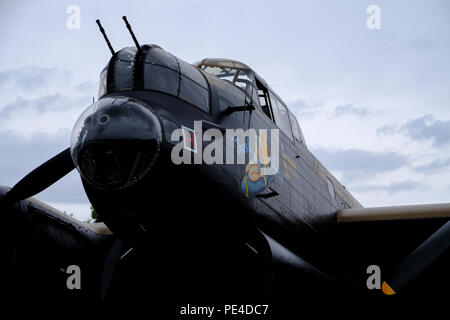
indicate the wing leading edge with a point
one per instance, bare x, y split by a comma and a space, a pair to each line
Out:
425, 211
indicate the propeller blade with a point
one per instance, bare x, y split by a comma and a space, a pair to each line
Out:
419, 260
41, 178
109, 268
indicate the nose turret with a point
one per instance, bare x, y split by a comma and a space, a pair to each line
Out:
115, 142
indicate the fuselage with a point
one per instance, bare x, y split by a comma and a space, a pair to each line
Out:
296, 206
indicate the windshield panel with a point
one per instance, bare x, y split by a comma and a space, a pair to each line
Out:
281, 115
224, 73
241, 77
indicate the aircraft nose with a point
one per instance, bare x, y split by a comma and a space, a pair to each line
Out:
115, 142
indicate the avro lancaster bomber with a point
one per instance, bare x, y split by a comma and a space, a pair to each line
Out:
203, 231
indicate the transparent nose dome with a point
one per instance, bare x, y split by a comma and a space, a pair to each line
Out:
115, 142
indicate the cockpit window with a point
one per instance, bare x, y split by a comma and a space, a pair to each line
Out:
281, 115
223, 73
242, 78
296, 128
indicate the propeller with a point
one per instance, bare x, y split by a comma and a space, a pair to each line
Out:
109, 268
419, 260
41, 178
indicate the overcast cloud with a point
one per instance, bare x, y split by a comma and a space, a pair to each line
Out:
350, 109
360, 164
428, 128
390, 188
32, 77
438, 165
373, 104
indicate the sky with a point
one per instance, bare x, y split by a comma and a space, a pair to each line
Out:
373, 104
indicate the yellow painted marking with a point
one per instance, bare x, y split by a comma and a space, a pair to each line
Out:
246, 187
289, 160
142, 227
387, 290
263, 148
289, 166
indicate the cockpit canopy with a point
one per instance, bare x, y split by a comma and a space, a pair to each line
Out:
261, 95
234, 72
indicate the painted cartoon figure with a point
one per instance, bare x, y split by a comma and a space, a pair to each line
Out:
254, 182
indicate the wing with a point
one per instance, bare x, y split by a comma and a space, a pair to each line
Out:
39, 243
408, 243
